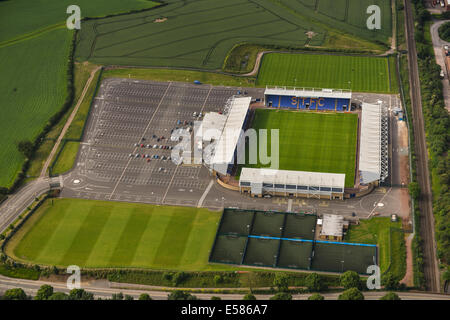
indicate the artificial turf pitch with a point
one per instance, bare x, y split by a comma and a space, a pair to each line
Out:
110, 234
310, 141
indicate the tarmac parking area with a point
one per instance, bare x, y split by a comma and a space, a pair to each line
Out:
125, 150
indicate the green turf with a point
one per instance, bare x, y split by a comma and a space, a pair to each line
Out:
33, 88
349, 16
360, 74
110, 234
28, 16
376, 231
196, 33
34, 50
317, 142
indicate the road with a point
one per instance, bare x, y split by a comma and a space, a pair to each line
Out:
438, 45
19, 201
425, 202
67, 124
102, 291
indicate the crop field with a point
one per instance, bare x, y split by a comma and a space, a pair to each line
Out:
25, 17
361, 74
349, 16
34, 47
33, 88
191, 33
112, 234
316, 142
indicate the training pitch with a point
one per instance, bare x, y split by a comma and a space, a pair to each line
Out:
309, 141
360, 74
111, 234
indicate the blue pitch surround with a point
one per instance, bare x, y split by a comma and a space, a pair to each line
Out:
319, 104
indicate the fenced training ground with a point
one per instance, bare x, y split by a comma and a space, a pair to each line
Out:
284, 240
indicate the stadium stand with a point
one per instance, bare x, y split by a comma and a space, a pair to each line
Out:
308, 98
258, 182
373, 153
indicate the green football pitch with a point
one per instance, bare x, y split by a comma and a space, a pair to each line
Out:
358, 73
114, 234
309, 141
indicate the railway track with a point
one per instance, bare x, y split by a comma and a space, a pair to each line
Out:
431, 271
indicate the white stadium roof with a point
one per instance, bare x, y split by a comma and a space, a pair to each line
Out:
212, 123
371, 148
309, 92
298, 178
224, 150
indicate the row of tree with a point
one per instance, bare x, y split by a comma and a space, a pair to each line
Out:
437, 125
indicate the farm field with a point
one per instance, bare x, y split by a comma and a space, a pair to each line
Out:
115, 234
316, 142
349, 16
25, 17
34, 49
33, 88
193, 34
358, 73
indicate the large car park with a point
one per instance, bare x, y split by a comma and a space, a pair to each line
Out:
128, 142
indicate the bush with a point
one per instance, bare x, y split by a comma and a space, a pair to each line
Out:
249, 296
315, 283
350, 279
44, 292
80, 294
15, 294
215, 298
179, 278
145, 296
316, 296
282, 296
389, 281
390, 296
58, 296
281, 281
181, 295
351, 294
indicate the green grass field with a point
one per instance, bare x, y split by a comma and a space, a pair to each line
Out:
196, 33
317, 142
112, 234
376, 231
348, 16
361, 74
34, 48
33, 88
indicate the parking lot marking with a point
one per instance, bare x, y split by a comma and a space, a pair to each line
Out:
200, 202
143, 134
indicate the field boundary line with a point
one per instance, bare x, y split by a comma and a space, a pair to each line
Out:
68, 123
143, 134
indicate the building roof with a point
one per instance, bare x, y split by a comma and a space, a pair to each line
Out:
212, 122
332, 225
309, 92
299, 178
224, 150
370, 145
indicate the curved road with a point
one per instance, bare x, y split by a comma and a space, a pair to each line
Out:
438, 45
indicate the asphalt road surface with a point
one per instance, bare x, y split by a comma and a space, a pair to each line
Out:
102, 291
438, 45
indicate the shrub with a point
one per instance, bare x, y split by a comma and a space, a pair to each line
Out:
316, 296
350, 279
351, 294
